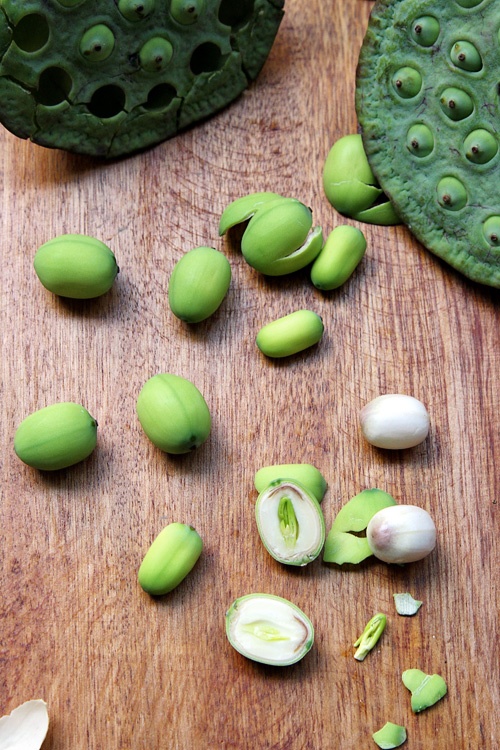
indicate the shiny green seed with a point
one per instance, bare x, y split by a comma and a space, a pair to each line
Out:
97, 43
56, 437
420, 140
187, 11
155, 54
341, 254
348, 180
491, 230
305, 474
291, 334
407, 82
136, 10
198, 284
452, 193
169, 559
456, 103
480, 146
425, 30
466, 57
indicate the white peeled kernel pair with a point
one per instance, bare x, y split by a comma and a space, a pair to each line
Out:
395, 421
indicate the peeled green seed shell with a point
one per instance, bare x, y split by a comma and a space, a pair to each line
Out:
426, 689
76, 266
198, 284
291, 334
269, 629
56, 437
306, 474
341, 254
244, 208
169, 559
390, 736
173, 413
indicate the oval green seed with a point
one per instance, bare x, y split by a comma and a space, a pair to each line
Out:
420, 140
291, 334
155, 54
306, 474
452, 193
186, 12
342, 253
169, 559
348, 180
491, 230
56, 437
76, 266
136, 10
456, 103
97, 43
425, 30
173, 413
407, 82
480, 146
198, 284
466, 57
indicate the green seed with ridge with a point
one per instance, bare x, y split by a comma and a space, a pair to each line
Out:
343, 251
465, 56
420, 140
480, 146
407, 82
169, 559
291, 334
198, 284
425, 30
155, 54
187, 12
452, 194
136, 10
456, 103
97, 43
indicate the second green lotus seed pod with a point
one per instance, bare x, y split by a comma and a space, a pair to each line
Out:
198, 284
171, 556
56, 437
342, 253
76, 266
173, 413
291, 334
306, 474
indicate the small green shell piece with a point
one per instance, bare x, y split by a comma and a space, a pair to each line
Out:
426, 689
198, 284
466, 57
56, 437
244, 208
342, 547
383, 214
187, 12
290, 334
390, 736
169, 559
425, 30
342, 252
406, 605
76, 266
97, 43
305, 474
155, 54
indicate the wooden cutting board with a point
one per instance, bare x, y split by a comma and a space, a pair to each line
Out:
122, 671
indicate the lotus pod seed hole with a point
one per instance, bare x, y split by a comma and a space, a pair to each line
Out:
31, 33
234, 14
206, 58
469, 3
107, 101
54, 86
160, 97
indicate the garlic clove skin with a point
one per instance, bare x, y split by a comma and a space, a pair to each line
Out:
401, 534
395, 421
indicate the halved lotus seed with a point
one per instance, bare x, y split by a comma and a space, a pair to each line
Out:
290, 523
169, 559
306, 475
290, 334
198, 284
269, 629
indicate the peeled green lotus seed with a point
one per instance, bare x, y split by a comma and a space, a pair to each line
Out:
291, 334
173, 413
169, 559
198, 284
306, 474
425, 30
56, 437
187, 11
465, 56
97, 43
156, 54
341, 254
76, 266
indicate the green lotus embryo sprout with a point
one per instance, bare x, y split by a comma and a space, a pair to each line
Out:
370, 636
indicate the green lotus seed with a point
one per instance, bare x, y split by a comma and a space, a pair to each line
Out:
305, 474
169, 559
426, 689
420, 140
291, 334
76, 266
348, 180
173, 413
342, 253
244, 208
156, 54
425, 30
187, 11
465, 56
97, 43
390, 736
480, 146
198, 284
56, 437
456, 103
491, 230
407, 82
452, 194
136, 10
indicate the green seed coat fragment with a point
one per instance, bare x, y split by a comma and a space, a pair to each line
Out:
290, 334
370, 636
244, 208
169, 559
305, 474
390, 736
426, 689
406, 605
343, 251
56, 437
198, 284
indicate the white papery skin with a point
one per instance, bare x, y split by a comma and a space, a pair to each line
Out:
25, 728
395, 421
401, 534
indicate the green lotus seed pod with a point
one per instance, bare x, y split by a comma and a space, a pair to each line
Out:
76, 266
420, 140
407, 82
342, 253
171, 556
290, 523
244, 208
186, 12
426, 689
348, 180
305, 474
480, 146
198, 284
269, 629
97, 43
452, 193
136, 10
425, 30
173, 413
456, 103
279, 238
491, 230
155, 54
56, 437
291, 334
465, 56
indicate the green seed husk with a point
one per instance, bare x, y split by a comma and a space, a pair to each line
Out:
426, 689
390, 736
305, 474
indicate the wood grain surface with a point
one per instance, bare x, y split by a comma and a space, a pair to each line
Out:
120, 670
